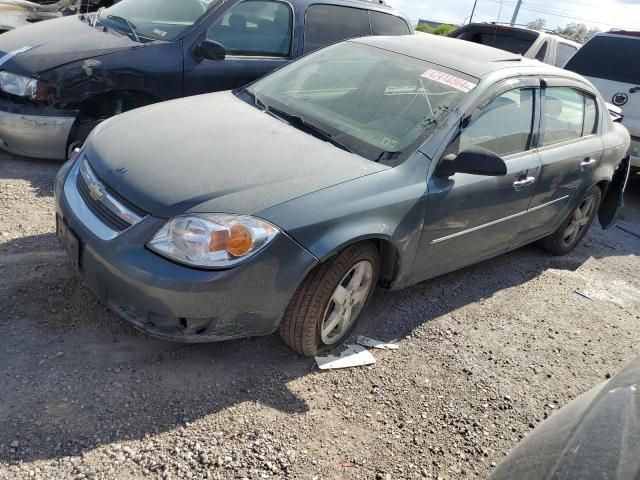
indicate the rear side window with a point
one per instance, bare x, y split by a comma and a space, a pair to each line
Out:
563, 53
383, 24
326, 24
542, 53
503, 42
568, 115
609, 58
255, 27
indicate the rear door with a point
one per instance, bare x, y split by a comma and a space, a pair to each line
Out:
570, 149
257, 35
471, 217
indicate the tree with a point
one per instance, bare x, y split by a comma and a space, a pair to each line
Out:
441, 30
423, 27
577, 31
537, 24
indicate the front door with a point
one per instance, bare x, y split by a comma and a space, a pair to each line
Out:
257, 35
471, 217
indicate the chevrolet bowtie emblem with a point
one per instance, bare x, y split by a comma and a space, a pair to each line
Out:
96, 192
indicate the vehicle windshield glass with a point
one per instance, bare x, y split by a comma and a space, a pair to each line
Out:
518, 43
378, 104
608, 57
156, 19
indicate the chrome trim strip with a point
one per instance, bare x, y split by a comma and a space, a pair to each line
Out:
81, 210
495, 222
547, 204
99, 193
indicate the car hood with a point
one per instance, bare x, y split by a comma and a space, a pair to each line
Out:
57, 42
214, 153
595, 436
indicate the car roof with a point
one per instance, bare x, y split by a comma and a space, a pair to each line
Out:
466, 57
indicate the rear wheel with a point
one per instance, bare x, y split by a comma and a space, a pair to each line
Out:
325, 308
576, 225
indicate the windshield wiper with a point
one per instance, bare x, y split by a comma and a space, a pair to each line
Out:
298, 121
131, 26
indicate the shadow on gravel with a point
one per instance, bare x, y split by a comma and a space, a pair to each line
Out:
39, 173
74, 376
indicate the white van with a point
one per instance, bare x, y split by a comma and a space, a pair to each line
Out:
612, 62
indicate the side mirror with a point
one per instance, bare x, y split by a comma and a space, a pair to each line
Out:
474, 161
211, 50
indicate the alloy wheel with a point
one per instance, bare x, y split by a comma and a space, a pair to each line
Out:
579, 220
346, 302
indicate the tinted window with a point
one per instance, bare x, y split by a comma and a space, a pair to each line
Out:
383, 24
542, 53
568, 114
609, 58
504, 42
504, 126
255, 27
563, 53
326, 24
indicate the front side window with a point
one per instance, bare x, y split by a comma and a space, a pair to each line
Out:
384, 24
255, 27
156, 19
378, 104
568, 115
327, 24
563, 53
504, 126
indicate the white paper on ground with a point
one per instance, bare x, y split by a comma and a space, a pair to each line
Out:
353, 356
373, 343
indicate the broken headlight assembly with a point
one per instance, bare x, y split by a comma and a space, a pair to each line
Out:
18, 85
212, 240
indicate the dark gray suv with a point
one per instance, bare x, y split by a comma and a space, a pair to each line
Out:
380, 161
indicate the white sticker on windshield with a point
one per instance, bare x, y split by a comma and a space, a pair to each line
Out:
449, 80
160, 33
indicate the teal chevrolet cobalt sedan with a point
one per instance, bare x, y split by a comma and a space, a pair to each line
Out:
375, 162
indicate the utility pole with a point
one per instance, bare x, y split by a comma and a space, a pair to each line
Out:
515, 12
473, 11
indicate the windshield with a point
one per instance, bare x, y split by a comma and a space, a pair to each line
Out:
378, 104
610, 58
155, 19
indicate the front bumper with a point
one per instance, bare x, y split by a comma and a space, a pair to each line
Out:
175, 302
34, 132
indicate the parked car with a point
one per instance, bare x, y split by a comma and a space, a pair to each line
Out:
596, 436
609, 61
543, 46
20, 13
379, 161
62, 77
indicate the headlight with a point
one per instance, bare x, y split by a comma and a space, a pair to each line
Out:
212, 240
17, 84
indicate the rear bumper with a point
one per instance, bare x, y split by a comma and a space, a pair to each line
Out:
34, 132
175, 302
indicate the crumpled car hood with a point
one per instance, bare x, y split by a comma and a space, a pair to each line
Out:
595, 436
58, 42
214, 153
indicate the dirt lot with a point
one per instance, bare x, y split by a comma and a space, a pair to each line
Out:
485, 354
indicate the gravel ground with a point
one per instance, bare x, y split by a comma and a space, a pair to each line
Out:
485, 355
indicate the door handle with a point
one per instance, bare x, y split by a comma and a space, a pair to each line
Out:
587, 164
525, 182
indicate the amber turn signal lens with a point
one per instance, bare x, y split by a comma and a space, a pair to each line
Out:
240, 240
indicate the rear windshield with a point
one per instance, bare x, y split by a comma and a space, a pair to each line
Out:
610, 58
503, 41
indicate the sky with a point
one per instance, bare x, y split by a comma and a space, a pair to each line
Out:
603, 14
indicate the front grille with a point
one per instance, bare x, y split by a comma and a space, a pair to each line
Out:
106, 205
98, 208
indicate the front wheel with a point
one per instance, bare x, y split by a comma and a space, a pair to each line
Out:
575, 226
325, 308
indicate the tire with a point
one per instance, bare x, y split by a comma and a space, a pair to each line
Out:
575, 226
306, 326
